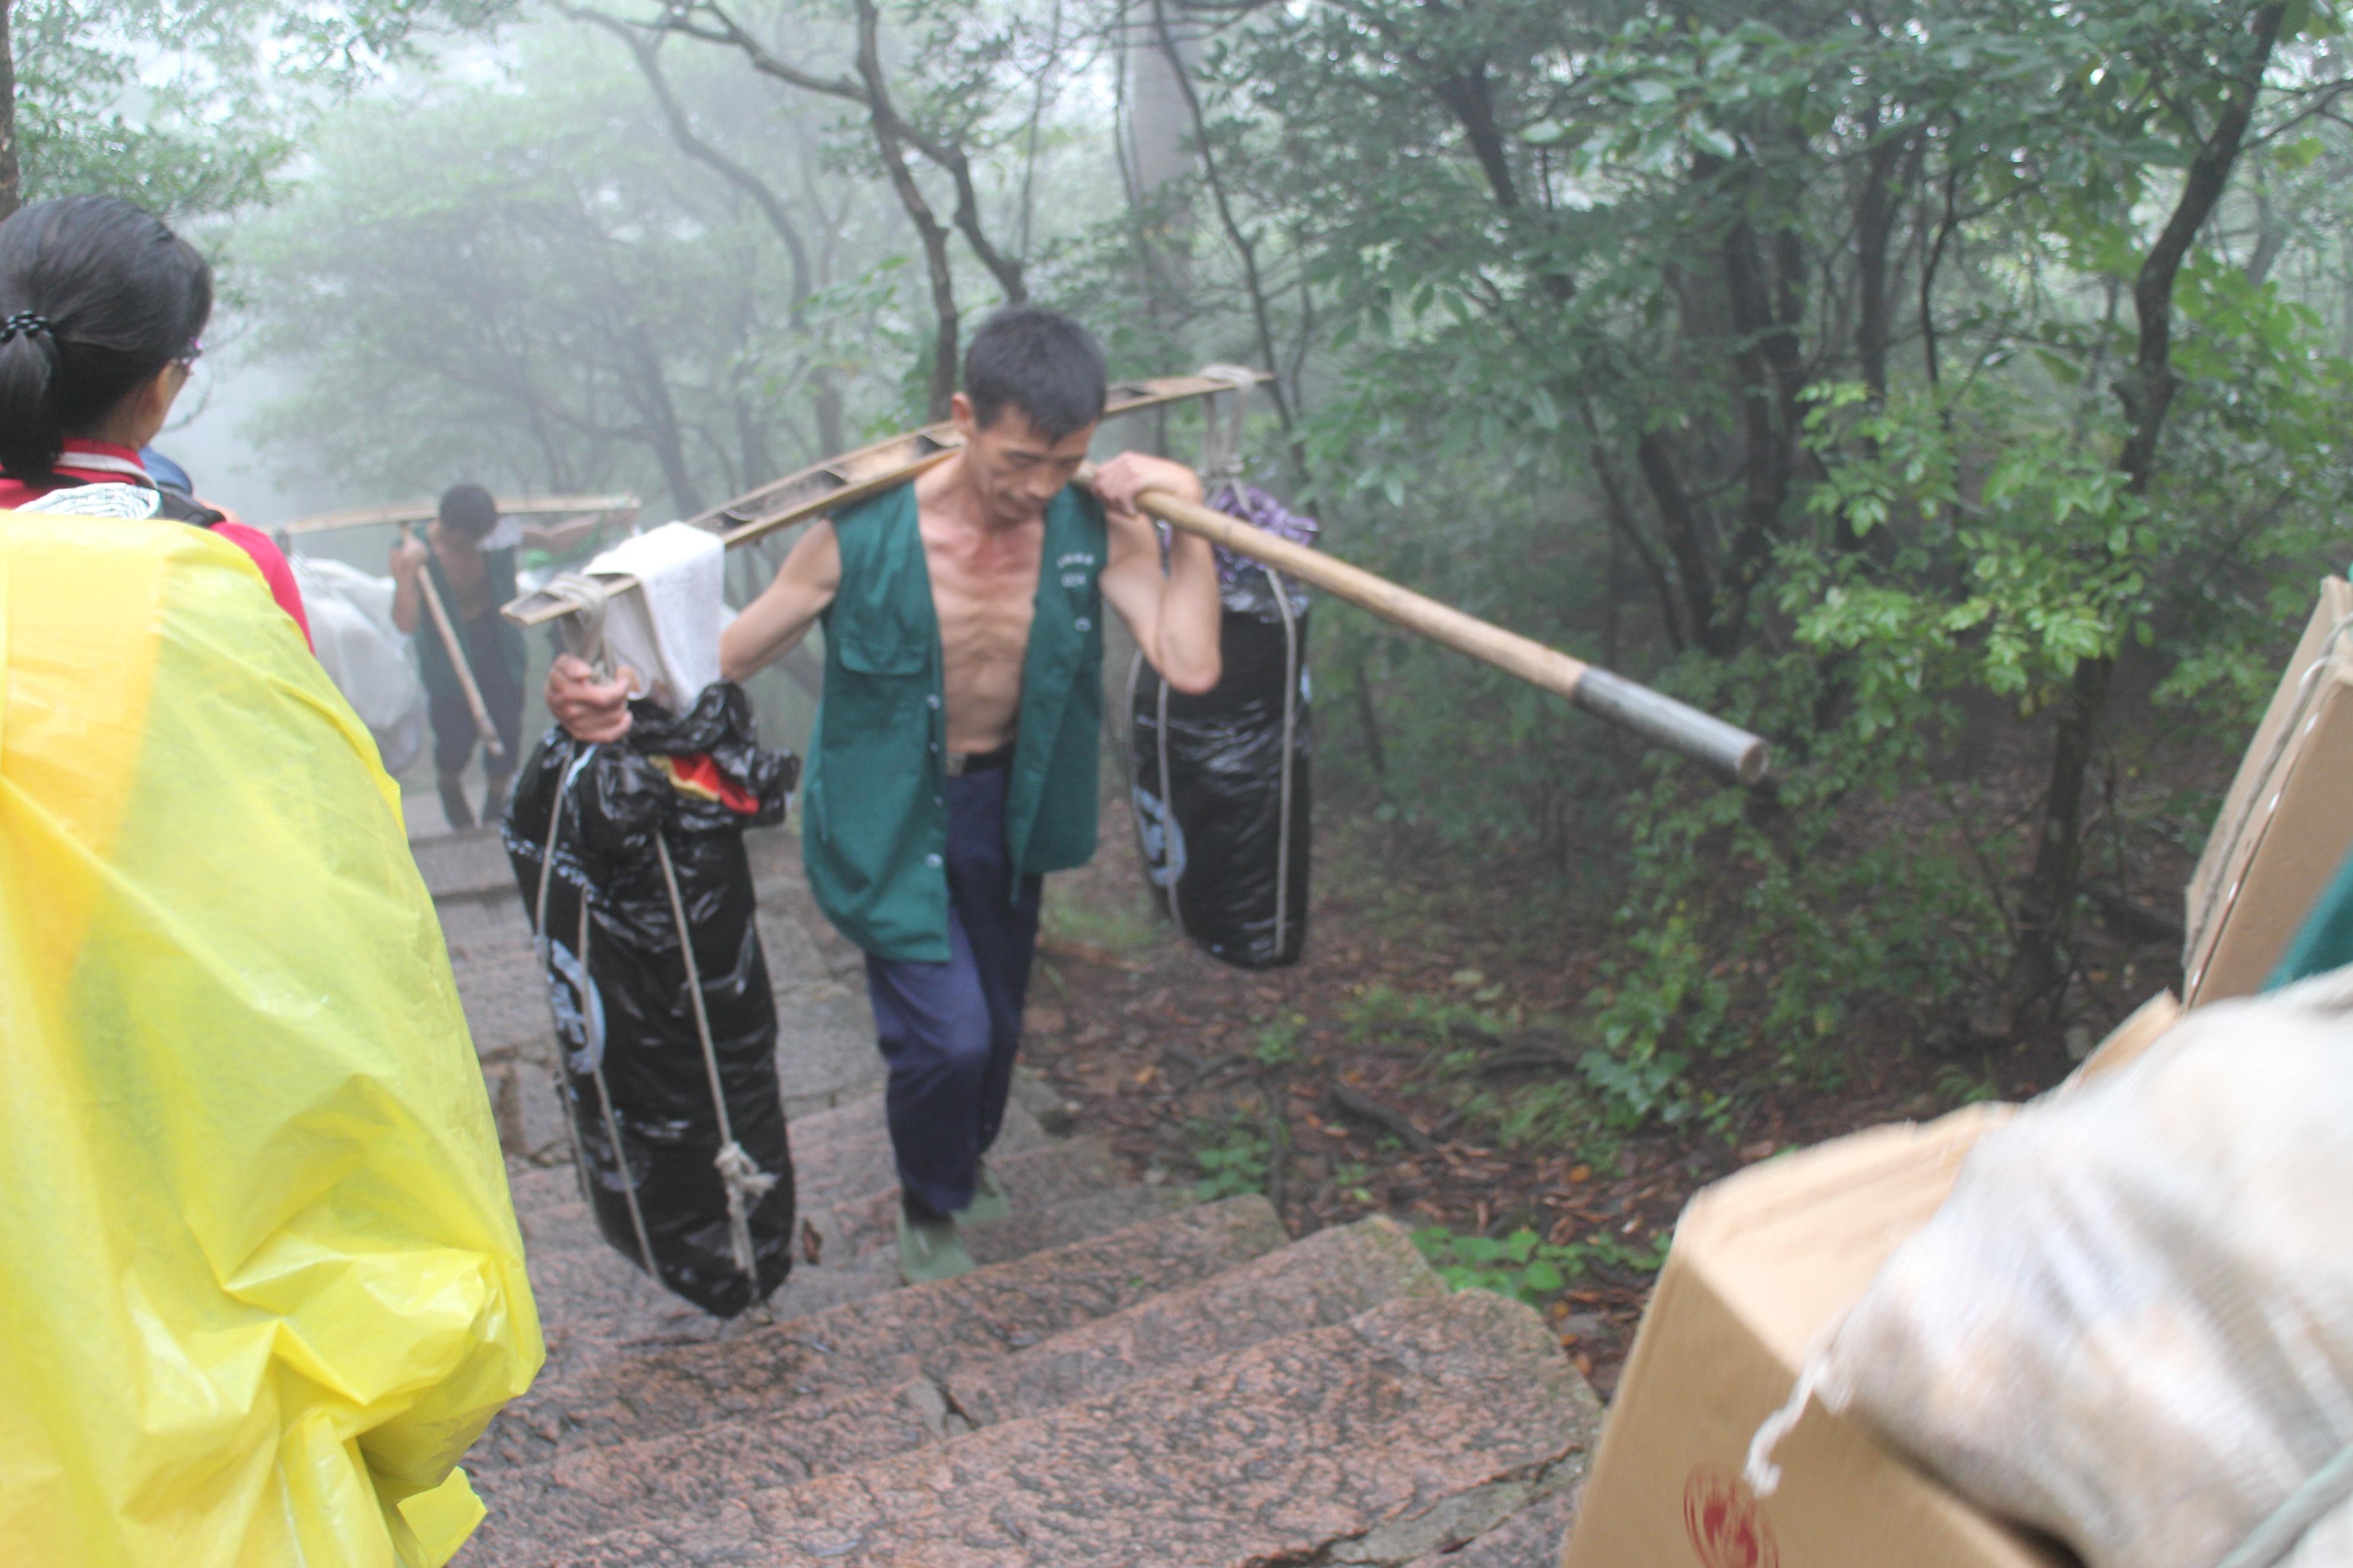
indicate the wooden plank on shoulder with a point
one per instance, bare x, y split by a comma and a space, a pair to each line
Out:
842, 481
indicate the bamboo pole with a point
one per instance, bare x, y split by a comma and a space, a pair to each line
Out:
1730, 751
457, 650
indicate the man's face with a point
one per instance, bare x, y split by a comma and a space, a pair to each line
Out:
1013, 468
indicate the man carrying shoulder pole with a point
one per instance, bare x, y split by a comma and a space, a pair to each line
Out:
475, 665
954, 759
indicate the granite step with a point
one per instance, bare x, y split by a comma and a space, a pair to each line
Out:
1033, 1178
555, 1217
850, 1235
1328, 1279
847, 1145
1531, 1538
1424, 1420
597, 1308
1022, 1233
596, 1305
881, 1342
849, 1157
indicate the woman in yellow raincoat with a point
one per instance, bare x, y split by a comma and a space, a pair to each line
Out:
261, 1281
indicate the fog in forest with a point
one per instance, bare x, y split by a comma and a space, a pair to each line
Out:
1951, 392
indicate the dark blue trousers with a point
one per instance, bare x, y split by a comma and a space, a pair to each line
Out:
949, 1030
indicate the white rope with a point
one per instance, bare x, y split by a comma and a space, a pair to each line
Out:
595, 1052
740, 1175
2273, 1540
584, 622
746, 1184
613, 1126
1168, 828
1290, 721
1819, 1381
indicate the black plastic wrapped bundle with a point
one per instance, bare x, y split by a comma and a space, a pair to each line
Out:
694, 1186
1221, 796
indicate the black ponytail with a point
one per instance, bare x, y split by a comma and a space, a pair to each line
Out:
96, 296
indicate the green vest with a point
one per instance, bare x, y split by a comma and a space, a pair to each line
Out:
873, 807
433, 658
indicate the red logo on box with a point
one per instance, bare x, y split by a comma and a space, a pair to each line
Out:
1727, 1527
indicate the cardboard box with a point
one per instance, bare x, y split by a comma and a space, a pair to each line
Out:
2287, 821
1762, 1262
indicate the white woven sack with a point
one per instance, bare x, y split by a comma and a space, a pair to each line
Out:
2131, 1325
366, 654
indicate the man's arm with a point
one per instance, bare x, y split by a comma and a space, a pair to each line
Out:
769, 626
557, 538
1174, 616
773, 623
407, 601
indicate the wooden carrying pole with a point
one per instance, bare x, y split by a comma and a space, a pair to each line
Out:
457, 650
408, 512
1730, 751
839, 481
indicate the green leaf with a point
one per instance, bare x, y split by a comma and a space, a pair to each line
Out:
1709, 139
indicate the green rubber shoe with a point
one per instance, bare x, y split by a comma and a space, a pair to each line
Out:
930, 1249
989, 1200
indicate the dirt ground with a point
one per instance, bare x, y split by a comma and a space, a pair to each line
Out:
1350, 1084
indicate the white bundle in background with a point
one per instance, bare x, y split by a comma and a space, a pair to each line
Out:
366, 654
2132, 1323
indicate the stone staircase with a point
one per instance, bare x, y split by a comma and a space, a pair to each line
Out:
1129, 1378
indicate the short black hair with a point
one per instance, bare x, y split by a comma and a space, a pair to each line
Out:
1041, 361
96, 296
469, 509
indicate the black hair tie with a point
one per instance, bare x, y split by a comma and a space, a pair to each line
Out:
24, 324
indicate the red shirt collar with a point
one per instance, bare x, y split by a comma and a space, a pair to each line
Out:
111, 470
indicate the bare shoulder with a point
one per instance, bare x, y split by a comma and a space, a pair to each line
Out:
816, 558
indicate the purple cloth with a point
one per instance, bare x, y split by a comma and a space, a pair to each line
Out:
1245, 586
1261, 511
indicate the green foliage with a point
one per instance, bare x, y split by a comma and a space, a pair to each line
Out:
1526, 1267
193, 107
1780, 356
1232, 1157
1278, 1040
1381, 1009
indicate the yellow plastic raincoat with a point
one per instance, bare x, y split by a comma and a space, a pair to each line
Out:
260, 1281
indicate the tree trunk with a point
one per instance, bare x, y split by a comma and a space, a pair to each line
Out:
1876, 218
1260, 317
2038, 972
1679, 521
1157, 151
649, 390
945, 349
11, 186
